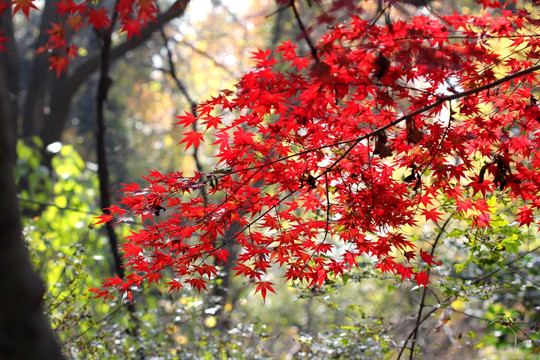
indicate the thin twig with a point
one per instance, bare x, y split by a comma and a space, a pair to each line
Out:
193, 105
423, 300
209, 57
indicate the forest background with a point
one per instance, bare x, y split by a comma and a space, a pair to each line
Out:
482, 300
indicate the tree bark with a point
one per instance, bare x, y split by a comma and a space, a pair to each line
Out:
24, 331
10, 60
39, 80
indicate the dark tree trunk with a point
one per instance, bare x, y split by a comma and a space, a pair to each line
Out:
24, 331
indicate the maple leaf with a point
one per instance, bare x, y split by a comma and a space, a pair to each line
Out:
221, 255
428, 259
155, 276
24, 6
131, 249
404, 271
301, 62
58, 63
132, 27
147, 11
130, 296
464, 205
192, 138
525, 216
432, 214
65, 7
103, 293
71, 52
409, 255
349, 258
99, 18
174, 285
105, 218
76, 22
263, 287
387, 264
57, 34
481, 220
185, 120
212, 121
198, 284
422, 278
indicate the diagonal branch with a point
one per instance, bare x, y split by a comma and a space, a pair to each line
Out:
223, 67
440, 101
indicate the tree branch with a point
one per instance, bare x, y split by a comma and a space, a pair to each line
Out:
409, 116
193, 105
104, 85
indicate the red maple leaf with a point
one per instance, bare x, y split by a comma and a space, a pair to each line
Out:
65, 7
147, 11
387, 264
99, 18
526, 216
24, 6
263, 287
404, 271
198, 284
432, 214
212, 121
185, 120
76, 22
192, 138
422, 278
409, 255
71, 52
58, 63
174, 285
131, 27
428, 259
57, 37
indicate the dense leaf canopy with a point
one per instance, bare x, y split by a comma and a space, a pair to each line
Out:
327, 156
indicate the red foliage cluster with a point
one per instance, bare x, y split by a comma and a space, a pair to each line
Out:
326, 157
74, 15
